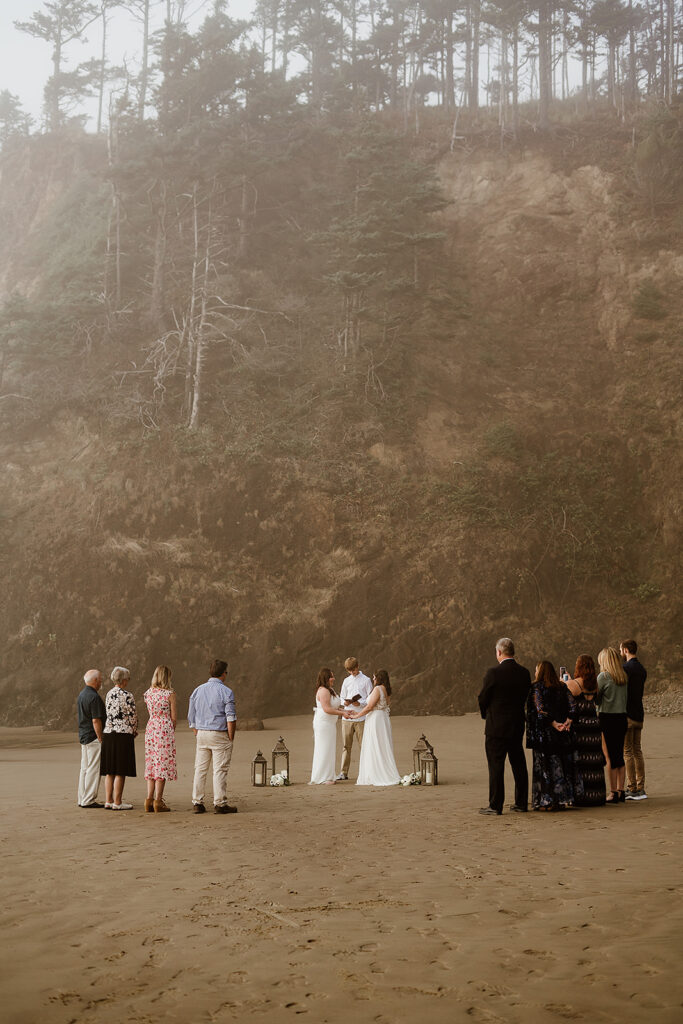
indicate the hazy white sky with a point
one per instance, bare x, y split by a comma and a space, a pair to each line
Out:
25, 63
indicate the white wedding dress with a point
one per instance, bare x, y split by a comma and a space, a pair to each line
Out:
377, 765
325, 742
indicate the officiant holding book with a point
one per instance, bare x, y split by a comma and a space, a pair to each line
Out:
354, 694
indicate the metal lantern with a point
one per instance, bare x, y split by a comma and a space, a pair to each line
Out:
429, 769
259, 770
280, 757
421, 747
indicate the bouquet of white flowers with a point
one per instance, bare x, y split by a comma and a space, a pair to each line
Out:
280, 779
414, 779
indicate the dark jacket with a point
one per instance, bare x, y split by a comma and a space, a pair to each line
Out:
503, 698
636, 684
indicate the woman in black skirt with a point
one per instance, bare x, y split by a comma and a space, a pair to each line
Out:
611, 699
118, 740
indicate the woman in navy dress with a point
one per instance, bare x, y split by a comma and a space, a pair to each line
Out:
548, 734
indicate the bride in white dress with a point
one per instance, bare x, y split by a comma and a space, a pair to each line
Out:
327, 713
377, 765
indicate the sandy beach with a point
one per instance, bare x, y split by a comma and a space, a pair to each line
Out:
338, 903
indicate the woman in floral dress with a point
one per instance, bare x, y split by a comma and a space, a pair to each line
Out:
160, 762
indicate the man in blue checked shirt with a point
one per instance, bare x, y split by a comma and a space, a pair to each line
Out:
212, 718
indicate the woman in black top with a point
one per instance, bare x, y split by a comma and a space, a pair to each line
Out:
589, 760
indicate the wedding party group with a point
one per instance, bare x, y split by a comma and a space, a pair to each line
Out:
575, 727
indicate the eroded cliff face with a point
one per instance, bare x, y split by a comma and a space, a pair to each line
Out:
517, 477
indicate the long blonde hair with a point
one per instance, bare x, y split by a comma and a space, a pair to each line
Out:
608, 660
161, 680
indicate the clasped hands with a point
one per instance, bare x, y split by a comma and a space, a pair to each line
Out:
563, 726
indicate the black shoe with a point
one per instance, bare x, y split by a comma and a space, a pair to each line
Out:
94, 804
489, 810
199, 809
225, 809
514, 807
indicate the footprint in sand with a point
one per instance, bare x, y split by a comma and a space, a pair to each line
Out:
238, 977
564, 1010
64, 997
485, 1016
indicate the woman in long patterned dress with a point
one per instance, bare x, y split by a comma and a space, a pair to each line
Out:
160, 759
118, 740
548, 734
589, 760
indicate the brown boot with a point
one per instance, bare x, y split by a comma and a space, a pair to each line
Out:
160, 806
149, 804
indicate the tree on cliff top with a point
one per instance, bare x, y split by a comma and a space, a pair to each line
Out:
60, 23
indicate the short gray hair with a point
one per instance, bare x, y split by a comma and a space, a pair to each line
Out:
505, 646
118, 674
91, 675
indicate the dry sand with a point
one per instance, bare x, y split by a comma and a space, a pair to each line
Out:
337, 903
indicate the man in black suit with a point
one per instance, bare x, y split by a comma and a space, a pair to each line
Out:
502, 703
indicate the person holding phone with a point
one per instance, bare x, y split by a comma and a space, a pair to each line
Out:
549, 736
354, 693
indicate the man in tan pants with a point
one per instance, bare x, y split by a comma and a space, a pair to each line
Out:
213, 720
355, 691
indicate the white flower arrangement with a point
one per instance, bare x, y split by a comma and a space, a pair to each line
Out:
280, 778
413, 779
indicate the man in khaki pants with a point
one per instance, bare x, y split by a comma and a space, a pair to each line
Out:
633, 752
355, 691
212, 718
91, 720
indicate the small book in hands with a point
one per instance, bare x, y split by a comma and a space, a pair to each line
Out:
353, 700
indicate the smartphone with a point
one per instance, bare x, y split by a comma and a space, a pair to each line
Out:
564, 675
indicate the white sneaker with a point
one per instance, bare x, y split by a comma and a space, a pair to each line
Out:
341, 777
122, 807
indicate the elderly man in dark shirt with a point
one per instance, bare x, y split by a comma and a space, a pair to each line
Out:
635, 712
91, 719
